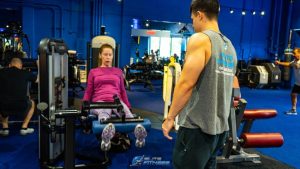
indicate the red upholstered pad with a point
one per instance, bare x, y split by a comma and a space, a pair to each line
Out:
259, 113
252, 140
235, 103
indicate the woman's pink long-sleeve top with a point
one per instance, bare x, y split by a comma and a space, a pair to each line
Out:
103, 83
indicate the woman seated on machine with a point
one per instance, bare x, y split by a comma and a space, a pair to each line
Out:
103, 83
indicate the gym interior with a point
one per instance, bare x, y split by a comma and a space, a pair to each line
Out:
149, 39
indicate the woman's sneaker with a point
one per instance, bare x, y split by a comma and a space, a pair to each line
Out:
140, 135
291, 112
107, 134
26, 131
4, 132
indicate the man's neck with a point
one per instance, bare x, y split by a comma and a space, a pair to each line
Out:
212, 25
14, 66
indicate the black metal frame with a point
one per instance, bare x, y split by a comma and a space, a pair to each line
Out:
47, 122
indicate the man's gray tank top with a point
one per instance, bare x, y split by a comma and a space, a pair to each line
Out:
296, 70
209, 106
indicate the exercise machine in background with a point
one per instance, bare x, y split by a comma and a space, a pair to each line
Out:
260, 74
171, 76
12, 39
54, 141
57, 121
94, 47
143, 71
74, 72
233, 150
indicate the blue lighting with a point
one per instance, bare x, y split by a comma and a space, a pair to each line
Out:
135, 23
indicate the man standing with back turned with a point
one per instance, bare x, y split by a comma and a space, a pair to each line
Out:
202, 96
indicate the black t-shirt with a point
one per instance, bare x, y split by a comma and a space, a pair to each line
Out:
14, 84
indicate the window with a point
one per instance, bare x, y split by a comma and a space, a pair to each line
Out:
167, 46
154, 43
176, 46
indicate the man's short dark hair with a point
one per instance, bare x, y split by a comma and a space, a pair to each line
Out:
211, 8
16, 60
10, 54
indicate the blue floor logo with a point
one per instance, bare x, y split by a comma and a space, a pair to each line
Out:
139, 161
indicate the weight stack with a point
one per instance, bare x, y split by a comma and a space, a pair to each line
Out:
259, 75
274, 72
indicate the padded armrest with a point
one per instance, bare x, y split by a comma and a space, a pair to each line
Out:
120, 127
93, 117
259, 114
254, 140
235, 103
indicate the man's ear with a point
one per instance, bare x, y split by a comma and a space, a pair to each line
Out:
198, 13
201, 15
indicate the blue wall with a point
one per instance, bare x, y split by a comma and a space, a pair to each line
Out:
77, 21
296, 23
69, 20
248, 33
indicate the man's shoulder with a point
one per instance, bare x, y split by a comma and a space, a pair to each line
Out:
199, 38
5, 70
15, 72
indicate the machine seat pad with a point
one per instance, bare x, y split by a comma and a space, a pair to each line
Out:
120, 127
259, 113
256, 140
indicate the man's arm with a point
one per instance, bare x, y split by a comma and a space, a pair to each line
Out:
194, 64
236, 83
283, 63
38, 70
198, 48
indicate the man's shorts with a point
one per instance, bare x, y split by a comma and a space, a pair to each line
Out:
296, 89
8, 108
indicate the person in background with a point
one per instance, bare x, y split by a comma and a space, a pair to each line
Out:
14, 93
104, 82
296, 88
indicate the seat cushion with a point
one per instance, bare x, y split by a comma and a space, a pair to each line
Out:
120, 127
